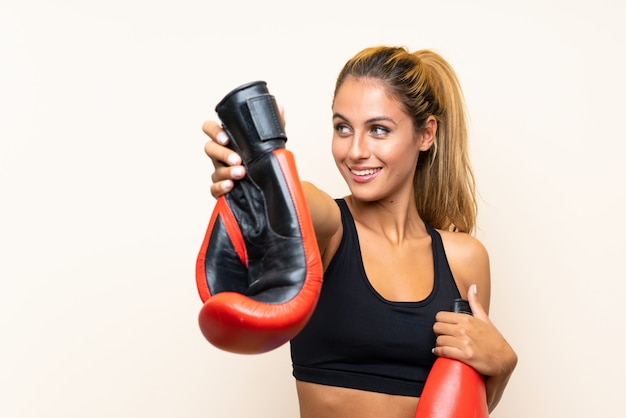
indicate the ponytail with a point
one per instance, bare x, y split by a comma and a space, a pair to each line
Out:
444, 180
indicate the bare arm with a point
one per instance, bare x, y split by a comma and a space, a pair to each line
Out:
474, 339
326, 219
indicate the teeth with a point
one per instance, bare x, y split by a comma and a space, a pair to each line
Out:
364, 172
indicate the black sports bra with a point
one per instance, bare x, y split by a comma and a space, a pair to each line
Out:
357, 339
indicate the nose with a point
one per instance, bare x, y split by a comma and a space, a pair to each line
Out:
359, 148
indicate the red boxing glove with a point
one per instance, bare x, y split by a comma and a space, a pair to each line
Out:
259, 271
453, 389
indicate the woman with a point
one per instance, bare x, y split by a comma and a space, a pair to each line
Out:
398, 249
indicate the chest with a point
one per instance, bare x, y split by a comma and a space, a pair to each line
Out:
401, 273
354, 323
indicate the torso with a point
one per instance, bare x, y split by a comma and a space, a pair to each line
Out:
411, 267
330, 401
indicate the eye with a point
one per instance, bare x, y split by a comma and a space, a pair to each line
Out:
379, 130
342, 129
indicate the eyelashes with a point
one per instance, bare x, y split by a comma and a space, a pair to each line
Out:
376, 131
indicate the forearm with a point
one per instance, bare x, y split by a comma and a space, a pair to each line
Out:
496, 384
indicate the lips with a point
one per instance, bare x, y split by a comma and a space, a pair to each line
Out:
364, 175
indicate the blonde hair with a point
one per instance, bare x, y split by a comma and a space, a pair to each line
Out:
426, 85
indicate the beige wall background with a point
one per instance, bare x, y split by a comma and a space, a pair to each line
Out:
105, 190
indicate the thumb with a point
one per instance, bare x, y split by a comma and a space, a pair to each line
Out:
475, 305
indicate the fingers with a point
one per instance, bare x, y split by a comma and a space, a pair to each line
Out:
220, 155
454, 335
455, 348
456, 326
227, 163
223, 179
215, 132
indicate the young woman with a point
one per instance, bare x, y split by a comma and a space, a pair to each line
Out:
398, 249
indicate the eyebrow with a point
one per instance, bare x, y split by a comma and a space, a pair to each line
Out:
368, 121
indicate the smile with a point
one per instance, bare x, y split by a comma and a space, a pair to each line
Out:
365, 174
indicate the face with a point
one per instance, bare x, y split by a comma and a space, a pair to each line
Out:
374, 142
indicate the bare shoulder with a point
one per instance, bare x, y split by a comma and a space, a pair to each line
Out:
463, 247
326, 218
469, 261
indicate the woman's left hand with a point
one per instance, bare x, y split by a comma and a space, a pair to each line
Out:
474, 340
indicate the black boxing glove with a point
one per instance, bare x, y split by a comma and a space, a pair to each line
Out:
259, 271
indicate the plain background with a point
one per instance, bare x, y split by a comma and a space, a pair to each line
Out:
105, 198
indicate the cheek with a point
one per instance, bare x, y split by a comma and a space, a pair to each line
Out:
338, 149
404, 163
393, 154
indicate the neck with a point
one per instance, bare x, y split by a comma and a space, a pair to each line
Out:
396, 220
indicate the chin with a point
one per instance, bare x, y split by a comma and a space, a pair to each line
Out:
366, 196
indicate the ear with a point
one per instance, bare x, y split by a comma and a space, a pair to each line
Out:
428, 134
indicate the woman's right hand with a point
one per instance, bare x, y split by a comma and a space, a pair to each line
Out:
228, 165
